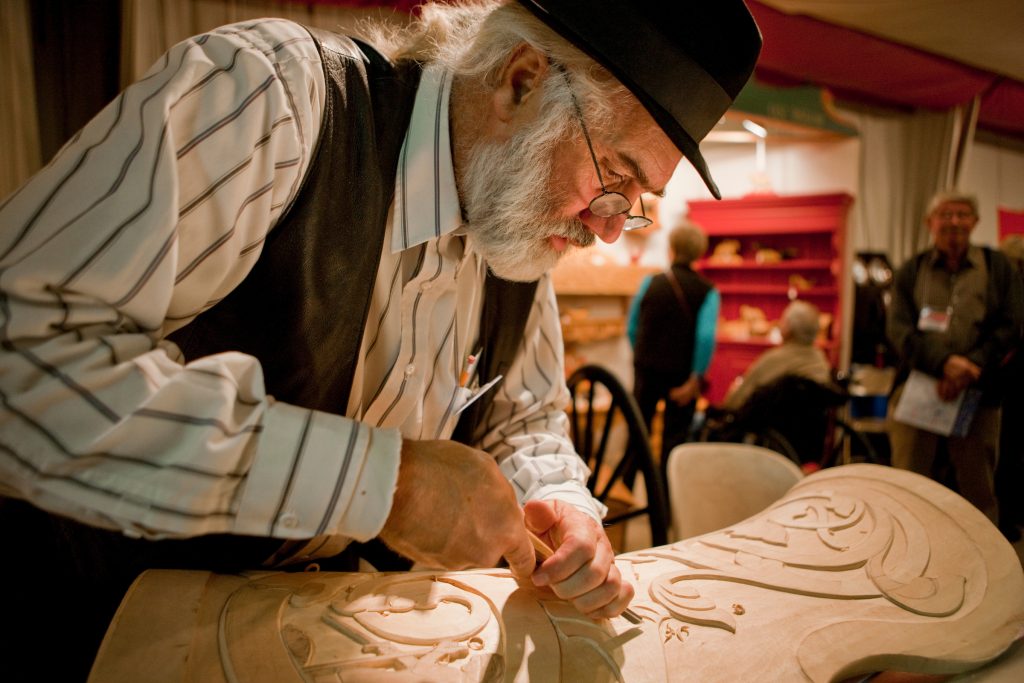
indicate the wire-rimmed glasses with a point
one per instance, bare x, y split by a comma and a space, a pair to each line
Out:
607, 204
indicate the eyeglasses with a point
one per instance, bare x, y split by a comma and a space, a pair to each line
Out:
607, 204
959, 215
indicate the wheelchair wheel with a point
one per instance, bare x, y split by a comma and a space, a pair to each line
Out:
850, 446
774, 440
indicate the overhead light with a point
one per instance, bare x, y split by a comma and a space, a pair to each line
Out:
728, 136
761, 182
754, 128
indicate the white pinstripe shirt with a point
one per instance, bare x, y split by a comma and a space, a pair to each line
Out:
154, 212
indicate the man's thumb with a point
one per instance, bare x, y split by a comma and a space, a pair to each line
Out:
540, 516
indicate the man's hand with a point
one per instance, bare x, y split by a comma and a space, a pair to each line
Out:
685, 393
582, 570
958, 373
454, 509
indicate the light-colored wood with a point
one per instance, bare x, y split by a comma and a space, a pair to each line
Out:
714, 485
540, 547
857, 569
585, 330
591, 273
177, 613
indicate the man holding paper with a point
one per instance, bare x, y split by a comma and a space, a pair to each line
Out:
956, 312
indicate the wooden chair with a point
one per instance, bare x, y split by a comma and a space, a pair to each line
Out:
599, 402
714, 485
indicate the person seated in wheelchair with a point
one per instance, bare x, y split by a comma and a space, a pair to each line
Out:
796, 355
788, 390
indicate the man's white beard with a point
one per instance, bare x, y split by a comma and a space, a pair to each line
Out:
511, 201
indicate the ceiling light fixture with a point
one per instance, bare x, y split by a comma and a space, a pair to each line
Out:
755, 129
761, 154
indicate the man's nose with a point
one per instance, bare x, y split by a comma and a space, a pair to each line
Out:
608, 229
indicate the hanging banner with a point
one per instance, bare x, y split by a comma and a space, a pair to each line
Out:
800, 105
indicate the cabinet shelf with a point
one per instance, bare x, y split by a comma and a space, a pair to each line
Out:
791, 264
781, 290
780, 228
765, 342
811, 230
579, 275
588, 330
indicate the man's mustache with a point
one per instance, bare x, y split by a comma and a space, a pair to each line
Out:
578, 234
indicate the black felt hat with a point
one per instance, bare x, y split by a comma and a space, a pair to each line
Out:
685, 60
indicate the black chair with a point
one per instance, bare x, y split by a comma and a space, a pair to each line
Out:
590, 386
797, 417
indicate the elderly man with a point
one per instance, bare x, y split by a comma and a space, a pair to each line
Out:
250, 305
956, 312
797, 355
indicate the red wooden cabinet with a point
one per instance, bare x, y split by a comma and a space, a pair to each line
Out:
785, 247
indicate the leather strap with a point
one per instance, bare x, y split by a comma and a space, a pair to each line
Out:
677, 289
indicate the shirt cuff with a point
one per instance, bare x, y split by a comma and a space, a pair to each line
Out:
318, 473
370, 504
573, 494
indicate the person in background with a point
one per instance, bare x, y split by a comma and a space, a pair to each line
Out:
239, 304
671, 326
955, 314
796, 355
1010, 468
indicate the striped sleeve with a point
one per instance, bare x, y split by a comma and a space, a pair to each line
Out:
527, 428
152, 213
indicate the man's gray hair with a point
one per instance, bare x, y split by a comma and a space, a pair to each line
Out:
952, 195
800, 322
688, 242
476, 38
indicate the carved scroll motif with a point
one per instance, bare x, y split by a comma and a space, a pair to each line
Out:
827, 545
422, 627
419, 627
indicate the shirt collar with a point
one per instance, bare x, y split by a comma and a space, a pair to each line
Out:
426, 200
973, 258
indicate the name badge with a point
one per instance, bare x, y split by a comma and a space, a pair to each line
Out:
934, 319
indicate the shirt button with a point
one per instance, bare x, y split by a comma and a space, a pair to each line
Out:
289, 520
424, 286
409, 370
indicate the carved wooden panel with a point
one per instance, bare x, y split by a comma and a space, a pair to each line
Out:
857, 569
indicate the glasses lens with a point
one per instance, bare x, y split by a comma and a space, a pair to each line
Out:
960, 215
636, 222
609, 204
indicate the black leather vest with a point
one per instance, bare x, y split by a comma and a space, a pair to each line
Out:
302, 308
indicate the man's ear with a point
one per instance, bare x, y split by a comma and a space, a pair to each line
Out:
517, 93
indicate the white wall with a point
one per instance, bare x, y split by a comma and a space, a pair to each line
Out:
996, 175
792, 168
